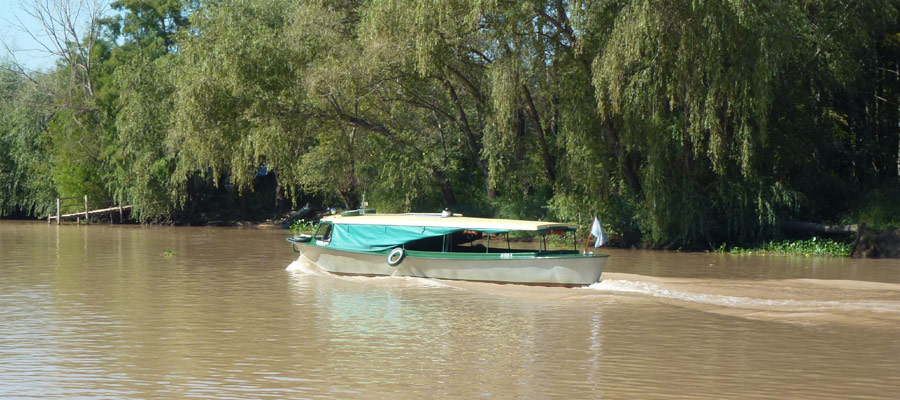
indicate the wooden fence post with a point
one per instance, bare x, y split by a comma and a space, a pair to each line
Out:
57, 211
85, 209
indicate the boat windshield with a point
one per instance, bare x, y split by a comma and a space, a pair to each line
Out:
323, 233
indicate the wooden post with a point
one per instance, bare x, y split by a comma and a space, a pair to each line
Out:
85, 210
120, 213
57, 211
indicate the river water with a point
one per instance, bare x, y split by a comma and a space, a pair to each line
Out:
163, 312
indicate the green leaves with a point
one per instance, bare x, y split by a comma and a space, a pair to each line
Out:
808, 247
681, 123
25, 185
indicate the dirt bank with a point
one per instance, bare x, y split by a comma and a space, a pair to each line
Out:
875, 244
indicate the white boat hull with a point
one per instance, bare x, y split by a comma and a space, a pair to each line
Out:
569, 270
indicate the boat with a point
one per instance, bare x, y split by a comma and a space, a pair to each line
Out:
448, 246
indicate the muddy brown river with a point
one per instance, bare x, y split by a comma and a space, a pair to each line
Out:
221, 313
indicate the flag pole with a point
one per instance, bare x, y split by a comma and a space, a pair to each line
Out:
587, 240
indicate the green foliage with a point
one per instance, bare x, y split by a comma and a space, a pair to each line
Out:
302, 226
77, 160
679, 124
143, 163
149, 26
809, 247
25, 184
878, 208
239, 100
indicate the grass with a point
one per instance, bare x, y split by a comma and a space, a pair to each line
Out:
809, 247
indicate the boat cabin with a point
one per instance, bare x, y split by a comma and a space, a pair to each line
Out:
444, 234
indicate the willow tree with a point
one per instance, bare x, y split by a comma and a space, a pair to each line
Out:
690, 85
694, 87
362, 89
466, 71
438, 42
26, 187
235, 104
288, 87
138, 89
143, 163
837, 107
516, 77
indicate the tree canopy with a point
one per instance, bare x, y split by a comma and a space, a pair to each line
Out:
680, 123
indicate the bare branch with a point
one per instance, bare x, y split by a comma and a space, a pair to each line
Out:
67, 30
468, 83
560, 26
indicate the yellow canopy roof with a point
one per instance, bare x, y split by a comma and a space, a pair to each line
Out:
448, 222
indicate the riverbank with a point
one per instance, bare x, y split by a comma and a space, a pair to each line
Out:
867, 244
877, 244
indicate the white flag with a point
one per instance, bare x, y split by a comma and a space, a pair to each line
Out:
597, 231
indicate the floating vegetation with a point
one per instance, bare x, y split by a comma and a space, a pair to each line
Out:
810, 247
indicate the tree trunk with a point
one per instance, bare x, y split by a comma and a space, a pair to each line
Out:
471, 140
446, 189
279, 195
542, 140
351, 198
629, 162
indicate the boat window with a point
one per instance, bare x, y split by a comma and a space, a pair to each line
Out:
514, 242
323, 233
435, 244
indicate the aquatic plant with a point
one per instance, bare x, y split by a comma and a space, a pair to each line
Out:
815, 246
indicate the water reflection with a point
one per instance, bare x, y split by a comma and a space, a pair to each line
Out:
417, 344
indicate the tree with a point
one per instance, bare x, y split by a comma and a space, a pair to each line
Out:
25, 185
68, 31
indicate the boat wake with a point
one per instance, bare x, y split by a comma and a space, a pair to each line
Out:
304, 267
798, 300
656, 290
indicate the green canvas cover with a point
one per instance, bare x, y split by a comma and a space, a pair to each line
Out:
381, 237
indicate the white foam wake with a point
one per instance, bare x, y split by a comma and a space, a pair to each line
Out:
658, 291
302, 265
